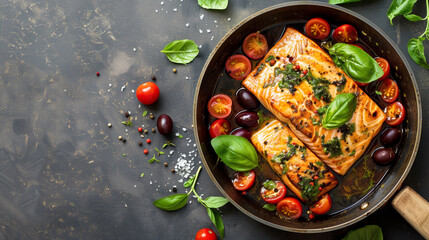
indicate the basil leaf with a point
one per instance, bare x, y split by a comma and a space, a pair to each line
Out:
342, 1
413, 17
340, 111
236, 152
213, 4
417, 51
400, 7
214, 215
215, 202
189, 182
358, 64
181, 51
370, 232
270, 207
172, 202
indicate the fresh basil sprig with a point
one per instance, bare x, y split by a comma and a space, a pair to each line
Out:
236, 152
358, 64
401, 7
369, 232
340, 111
181, 51
342, 1
213, 4
178, 201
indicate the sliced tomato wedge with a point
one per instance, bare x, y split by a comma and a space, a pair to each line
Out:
389, 90
255, 46
395, 113
289, 207
272, 192
384, 64
322, 206
243, 180
345, 33
317, 28
219, 106
219, 127
238, 67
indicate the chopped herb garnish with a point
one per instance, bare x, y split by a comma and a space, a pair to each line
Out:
320, 87
309, 189
144, 114
333, 147
322, 110
269, 58
270, 184
291, 78
259, 69
378, 92
127, 123
319, 163
340, 84
159, 152
153, 159
270, 207
262, 117
180, 136
168, 143
352, 153
141, 175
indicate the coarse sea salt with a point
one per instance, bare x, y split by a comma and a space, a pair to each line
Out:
122, 88
174, 9
201, 16
201, 31
187, 24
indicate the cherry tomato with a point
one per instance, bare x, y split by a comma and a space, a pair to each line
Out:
356, 45
243, 180
361, 84
147, 93
384, 64
389, 90
322, 206
238, 67
345, 33
205, 234
395, 113
219, 106
274, 196
317, 28
219, 127
255, 46
289, 207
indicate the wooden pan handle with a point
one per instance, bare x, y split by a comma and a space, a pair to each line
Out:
414, 208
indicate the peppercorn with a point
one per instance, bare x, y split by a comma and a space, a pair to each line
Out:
109, 125
153, 130
120, 137
272, 62
124, 140
148, 141
127, 114
145, 151
146, 131
165, 164
320, 188
140, 144
173, 170
153, 77
311, 216
140, 129
174, 189
316, 177
98, 74
174, 70
151, 116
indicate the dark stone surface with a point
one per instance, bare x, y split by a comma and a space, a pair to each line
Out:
63, 173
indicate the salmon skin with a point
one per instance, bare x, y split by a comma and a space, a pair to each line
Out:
292, 161
296, 81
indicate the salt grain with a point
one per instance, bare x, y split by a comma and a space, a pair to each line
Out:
184, 129
156, 10
162, 3
122, 88
201, 31
229, 19
200, 46
208, 30
174, 9
187, 24
201, 16
110, 84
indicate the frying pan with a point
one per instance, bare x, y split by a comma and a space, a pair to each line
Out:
381, 44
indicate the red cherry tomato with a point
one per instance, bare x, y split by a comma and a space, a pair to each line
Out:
345, 33
243, 180
389, 90
395, 113
274, 196
322, 206
238, 67
255, 46
361, 84
147, 93
219, 106
219, 127
317, 28
289, 207
356, 45
205, 234
384, 64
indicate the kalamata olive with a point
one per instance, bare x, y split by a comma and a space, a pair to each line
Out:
164, 124
242, 133
384, 156
390, 137
246, 99
247, 119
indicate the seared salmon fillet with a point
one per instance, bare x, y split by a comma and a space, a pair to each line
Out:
295, 80
297, 166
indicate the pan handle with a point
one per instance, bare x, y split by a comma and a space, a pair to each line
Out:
414, 208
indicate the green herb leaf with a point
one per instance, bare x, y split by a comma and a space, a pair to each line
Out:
214, 215
181, 51
215, 202
340, 111
236, 152
342, 1
141, 175
128, 123
352, 153
213, 4
172, 202
417, 51
270, 185
270, 207
358, 64
261, 117
413, 18
153, 159
370, 232
180, 136
168, 143
159, 152
378, 92
189, 182
144, 114
400, 7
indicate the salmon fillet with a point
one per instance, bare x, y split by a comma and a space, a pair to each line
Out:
298, 102
297, 166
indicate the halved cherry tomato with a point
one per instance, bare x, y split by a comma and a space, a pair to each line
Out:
238, 67
361, 84
345, 33
395, 113
317, 28
243, 180
219, 106
205, 234
289, 207
255, 46
147, 93
219, 127
384, 64
322, 206
274, 195
389, 90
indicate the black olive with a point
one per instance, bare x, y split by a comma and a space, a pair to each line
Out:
164, 124
247, 119
390, 137
384, 156
246, 99
242, 133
